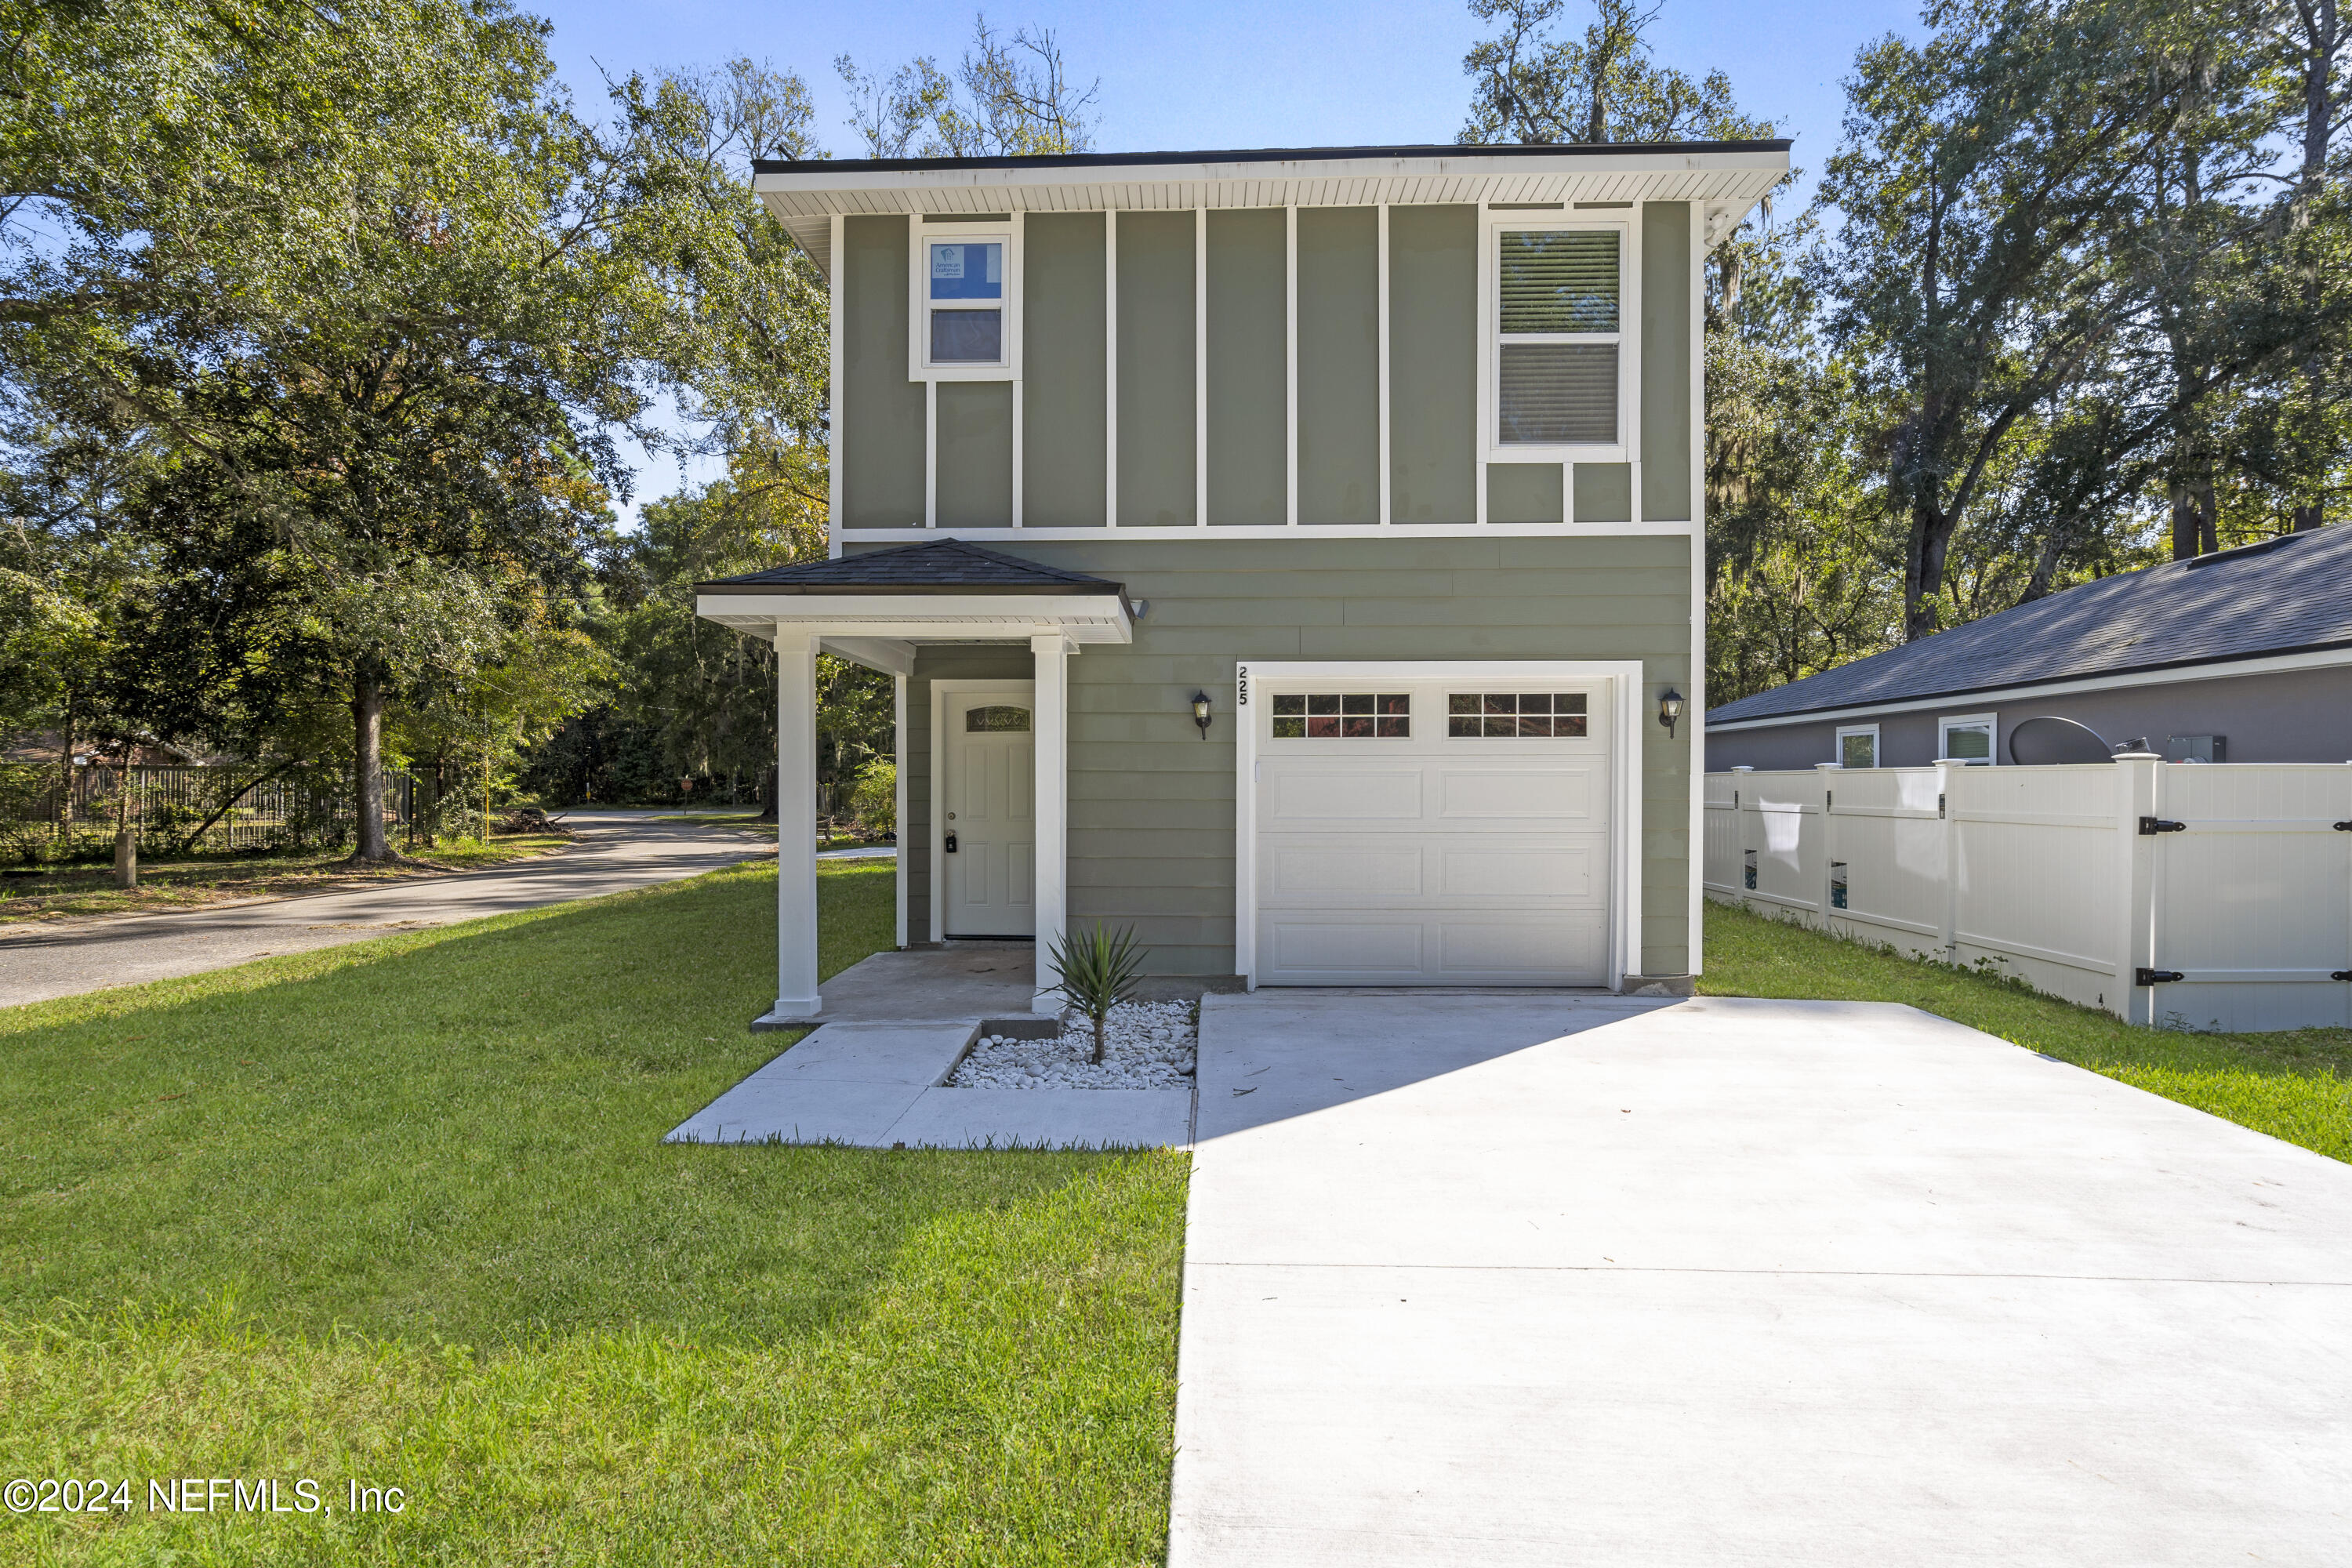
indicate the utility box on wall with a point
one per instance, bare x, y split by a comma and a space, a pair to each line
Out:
2196, 749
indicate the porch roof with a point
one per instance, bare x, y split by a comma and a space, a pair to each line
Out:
931, 566
875, 606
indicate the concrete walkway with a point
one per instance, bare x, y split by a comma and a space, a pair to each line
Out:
1510, 1280
874, 1075
618, 850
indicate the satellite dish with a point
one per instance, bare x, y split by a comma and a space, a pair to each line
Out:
2042, 742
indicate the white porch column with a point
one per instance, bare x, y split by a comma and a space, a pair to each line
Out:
898, 795
796, 994
1052, 768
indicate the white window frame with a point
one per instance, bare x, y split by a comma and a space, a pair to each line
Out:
1947, 724
1618, 684
1846, 730
918, 299
1628, 339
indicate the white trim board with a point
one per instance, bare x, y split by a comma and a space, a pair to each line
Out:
1626, 691
967, 685
2271, 663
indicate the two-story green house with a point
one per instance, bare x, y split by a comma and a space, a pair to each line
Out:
1294, 555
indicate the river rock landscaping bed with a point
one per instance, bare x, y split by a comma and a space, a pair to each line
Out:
1146, 1045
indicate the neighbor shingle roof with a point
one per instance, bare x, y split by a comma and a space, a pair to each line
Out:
2288, 595
933, 566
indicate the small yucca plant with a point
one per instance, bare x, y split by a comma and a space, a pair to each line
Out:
1097, 970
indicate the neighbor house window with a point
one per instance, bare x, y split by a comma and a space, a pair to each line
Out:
1559, 318
1515, 715
1965, 739
1343, 716
963, 290
1857, 746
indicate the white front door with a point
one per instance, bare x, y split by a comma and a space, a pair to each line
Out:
1433, 832
988, 797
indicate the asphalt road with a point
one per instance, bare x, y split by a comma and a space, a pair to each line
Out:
618, 850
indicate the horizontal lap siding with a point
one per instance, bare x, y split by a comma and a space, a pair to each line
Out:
1151, 804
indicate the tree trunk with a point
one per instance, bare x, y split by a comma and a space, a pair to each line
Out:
2307, 518
1923, 574
2194, 524
767, 795
367, 734
66, 775
126, 842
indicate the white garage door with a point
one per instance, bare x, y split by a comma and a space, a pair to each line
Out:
1423, 831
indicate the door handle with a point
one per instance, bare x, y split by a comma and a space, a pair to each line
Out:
950, 845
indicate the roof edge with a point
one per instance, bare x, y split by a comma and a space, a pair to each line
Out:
2022, 688
1256, 155
1034, 590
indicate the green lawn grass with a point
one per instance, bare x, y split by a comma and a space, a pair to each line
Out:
398, 1212
2296, 1085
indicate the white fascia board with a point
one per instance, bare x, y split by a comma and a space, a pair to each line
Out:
1995, 696
1082, 617
1211, 533
1467, 165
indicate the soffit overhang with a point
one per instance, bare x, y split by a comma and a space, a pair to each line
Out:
1727, 179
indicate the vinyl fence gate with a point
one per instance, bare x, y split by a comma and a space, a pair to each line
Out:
2188, 895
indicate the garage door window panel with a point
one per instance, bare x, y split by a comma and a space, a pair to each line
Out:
1343, 716
1516, 715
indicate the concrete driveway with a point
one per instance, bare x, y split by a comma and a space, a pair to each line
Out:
618, 850
1501, 1280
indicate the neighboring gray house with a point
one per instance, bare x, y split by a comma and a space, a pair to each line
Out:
1286, 553
2243, 656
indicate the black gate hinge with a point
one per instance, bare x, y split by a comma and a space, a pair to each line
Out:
2344, 827
2151, 826
2341, 974
2156, 976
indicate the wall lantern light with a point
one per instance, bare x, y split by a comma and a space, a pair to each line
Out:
1201, 712
1670, 709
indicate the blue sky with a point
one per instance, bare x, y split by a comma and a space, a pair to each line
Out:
1217, 74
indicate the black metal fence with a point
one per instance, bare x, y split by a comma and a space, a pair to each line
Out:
177, 808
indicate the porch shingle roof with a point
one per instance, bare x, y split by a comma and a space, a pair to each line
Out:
932, 566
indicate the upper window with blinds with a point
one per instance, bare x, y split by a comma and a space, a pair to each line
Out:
1559, 318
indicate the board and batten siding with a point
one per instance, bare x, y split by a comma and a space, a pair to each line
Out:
1151, 807
1115, 347
881, 411
1065, 370
1249, 368
1339, 365
1156, 361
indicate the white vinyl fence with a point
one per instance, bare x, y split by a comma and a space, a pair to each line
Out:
2188, 895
